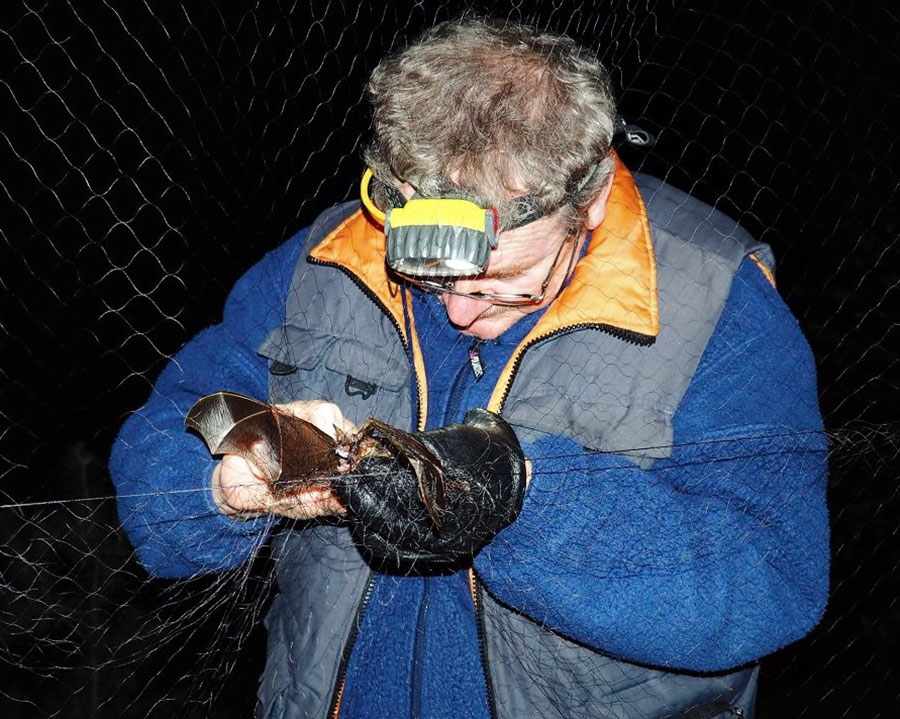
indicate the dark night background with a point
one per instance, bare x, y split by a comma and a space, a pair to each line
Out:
150, 152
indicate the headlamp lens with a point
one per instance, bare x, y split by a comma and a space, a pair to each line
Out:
435, 250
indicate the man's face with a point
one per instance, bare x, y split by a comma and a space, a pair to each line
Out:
525, 258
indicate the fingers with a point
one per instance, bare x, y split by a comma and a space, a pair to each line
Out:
239, 490
317, 502
327, 416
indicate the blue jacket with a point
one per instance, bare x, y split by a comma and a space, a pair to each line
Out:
700, 553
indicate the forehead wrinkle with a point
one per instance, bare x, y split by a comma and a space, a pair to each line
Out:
514, 268
503, 274
514, 263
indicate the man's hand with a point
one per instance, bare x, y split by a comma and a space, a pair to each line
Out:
239, 489
483, 487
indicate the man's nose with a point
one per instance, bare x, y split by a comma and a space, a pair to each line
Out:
463, 311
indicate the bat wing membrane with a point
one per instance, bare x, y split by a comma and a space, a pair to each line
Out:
285, 448
231, 423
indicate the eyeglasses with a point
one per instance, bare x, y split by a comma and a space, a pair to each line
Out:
500, 298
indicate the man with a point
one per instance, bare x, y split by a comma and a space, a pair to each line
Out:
673, 530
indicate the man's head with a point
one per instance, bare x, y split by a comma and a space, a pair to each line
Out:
508, 117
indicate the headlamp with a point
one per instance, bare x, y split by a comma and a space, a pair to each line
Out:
435, 236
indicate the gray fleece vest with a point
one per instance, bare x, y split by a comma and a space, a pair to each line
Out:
601, 390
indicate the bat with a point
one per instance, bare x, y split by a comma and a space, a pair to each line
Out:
293, 455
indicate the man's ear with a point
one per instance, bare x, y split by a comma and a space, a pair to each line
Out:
595, 212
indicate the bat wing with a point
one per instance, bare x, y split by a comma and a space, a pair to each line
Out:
286, 449
424, 462
231, 423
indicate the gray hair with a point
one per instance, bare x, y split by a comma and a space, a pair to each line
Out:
484, 110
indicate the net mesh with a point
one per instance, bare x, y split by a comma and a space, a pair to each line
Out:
152, 151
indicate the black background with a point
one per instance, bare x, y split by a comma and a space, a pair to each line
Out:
150, 152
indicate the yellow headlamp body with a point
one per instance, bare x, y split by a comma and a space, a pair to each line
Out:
435, 236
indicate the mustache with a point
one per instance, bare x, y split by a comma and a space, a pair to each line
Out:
490, 311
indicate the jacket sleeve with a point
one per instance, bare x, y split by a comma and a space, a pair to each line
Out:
715, 556
161, 471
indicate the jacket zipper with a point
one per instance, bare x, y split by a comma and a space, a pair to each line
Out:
416, 688
456, 389
482, 643
340, 681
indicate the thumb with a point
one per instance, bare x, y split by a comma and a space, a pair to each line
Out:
238, 486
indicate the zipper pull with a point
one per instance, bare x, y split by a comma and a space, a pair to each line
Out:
475, 361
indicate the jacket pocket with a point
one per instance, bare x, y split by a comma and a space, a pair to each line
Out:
364, 381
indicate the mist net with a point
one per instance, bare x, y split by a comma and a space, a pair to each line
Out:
152, 152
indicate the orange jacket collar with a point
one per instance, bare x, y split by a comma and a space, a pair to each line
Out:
614, 284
